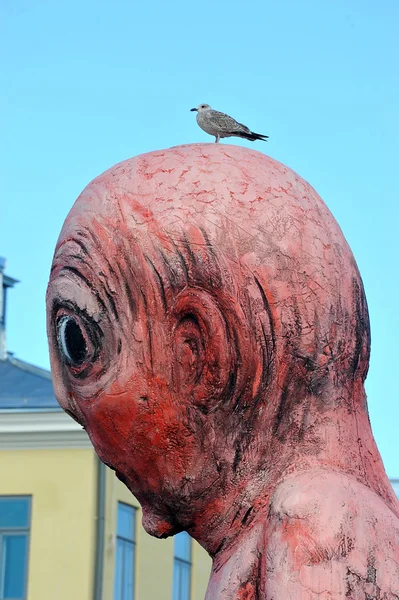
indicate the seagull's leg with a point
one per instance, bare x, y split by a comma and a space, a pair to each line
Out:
217, 138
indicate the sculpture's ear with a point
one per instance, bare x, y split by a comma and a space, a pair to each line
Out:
202, 350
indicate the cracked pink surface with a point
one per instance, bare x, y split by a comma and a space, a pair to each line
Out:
221, 373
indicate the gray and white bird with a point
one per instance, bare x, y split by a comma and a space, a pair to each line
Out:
221, 125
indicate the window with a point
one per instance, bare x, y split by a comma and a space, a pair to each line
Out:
182, 567
14, 544
125, 552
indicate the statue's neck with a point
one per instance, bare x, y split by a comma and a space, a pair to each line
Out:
338, 439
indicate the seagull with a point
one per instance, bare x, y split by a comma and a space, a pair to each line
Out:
221, 125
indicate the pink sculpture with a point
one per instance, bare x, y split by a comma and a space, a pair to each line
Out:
208, 327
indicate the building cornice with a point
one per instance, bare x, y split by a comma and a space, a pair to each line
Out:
24, 430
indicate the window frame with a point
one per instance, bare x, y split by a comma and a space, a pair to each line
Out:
185, 563
8, 531
125, 540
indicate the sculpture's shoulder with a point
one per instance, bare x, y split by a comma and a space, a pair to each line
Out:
331, 502
325, 536
328, 531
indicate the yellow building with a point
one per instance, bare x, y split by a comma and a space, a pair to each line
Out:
69, 530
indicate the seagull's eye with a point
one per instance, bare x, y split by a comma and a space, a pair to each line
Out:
71, 340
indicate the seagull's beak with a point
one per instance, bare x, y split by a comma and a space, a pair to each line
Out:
193, 109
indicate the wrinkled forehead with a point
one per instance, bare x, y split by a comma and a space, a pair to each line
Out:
104, 218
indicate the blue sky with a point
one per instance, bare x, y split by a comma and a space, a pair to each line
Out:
90, 83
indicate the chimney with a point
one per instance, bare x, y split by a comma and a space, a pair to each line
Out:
5, 283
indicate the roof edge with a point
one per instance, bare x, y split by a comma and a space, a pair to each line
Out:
29, 368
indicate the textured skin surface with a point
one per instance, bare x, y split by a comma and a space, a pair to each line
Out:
218, 342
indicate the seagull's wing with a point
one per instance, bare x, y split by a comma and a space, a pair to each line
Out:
225, 124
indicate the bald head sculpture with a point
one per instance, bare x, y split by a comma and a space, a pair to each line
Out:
208, 327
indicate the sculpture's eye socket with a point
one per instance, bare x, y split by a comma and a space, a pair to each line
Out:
79, 340
71, 340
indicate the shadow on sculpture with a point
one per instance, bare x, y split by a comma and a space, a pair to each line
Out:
208, 327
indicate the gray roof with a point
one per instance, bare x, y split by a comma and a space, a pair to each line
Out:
25, 387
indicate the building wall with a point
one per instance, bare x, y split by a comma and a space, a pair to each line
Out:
154, 558
201, 572
62, 486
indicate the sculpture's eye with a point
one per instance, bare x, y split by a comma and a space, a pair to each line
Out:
79, 341
71, 340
